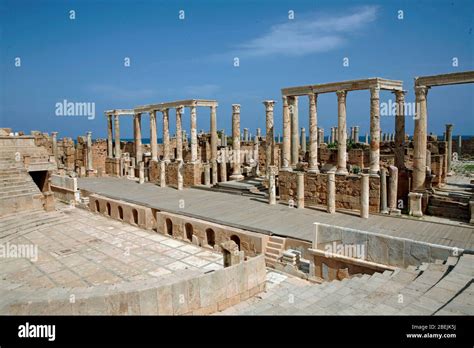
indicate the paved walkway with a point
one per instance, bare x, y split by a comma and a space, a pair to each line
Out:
256, 215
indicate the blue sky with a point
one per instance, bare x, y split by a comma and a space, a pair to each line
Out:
82, 60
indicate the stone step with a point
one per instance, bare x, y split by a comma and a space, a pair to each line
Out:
272, 251
274, 245
276, 239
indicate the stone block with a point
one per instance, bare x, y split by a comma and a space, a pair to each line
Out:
377, 249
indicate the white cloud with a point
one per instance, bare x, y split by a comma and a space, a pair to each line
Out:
308, 34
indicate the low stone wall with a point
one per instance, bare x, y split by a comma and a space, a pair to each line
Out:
168, 295
381, 249
208, 234
64, 188
193, 173
315, 190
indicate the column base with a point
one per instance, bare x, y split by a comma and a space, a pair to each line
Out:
313, 170
374, 171
395, 212
342, 171
236, 177
286, 169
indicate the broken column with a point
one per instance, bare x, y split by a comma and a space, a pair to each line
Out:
223, 165
141, 172
286, 146
342, 134
54, 136
303, 139
415, 204
180, 174
449, 138
162, 174
236, 171
356, 134
331, 191
459, 146
259, 133
256, 155
333, 135
392, 190
271, 186
313, 135
419, 140
374, 130
246, 134
320, 136
89, 153
383, 190
269, 140
207, 174
364, 196
300, 190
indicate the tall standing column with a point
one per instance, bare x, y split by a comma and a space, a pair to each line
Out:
419, 140
194, 155
400, 130
313, 134
153, 136
166, 135
342, 133
393, 190
214, 143
223, 165
383, 190
286, 146
294, 131
118, 152
449, 137
110, 146
236, 171
374, 130
269, 139
137, 122
179, 134
54, 136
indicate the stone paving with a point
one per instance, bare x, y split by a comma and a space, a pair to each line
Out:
77, 248
257, 215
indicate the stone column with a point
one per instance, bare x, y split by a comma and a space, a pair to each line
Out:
269, 139
222, 137
303, 139
246, 134
89, 152
294, 131
367, 138
153, 136
223, 165
419, 140
110, 146
364, 196
118, 151
356, 134
351, 137
207, 174
194, 150
180, 174
331, 192
141, 172
236, 171
54, 136
300, 190
374, 130
333, 135
320, 136
383, 190
271, 187
459, 146
415, 204
313, 134
179, 134
393, 189
342, 134
279, 138
286, 146
259, 133
166, 136
256, 154
137, 126
214, 143
162, 174
336, 134
449, 137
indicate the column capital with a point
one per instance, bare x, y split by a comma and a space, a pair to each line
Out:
285, 100
269, 104
400, 94
165, 111
449, 127
179, 109
312, 98
421, 91
236, 108
341, 94
375, 92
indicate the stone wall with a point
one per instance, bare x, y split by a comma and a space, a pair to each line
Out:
189, 294
193, 173
315, 190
